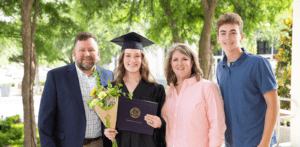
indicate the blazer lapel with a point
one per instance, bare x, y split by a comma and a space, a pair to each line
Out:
74, 82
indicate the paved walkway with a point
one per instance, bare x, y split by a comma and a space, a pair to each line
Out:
13, 105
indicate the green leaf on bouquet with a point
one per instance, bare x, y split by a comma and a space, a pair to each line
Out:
94, 73
120, 85
108, 117
130, 95
108, 108
109, 84
101, 105
107, 123
93, 103
89, 101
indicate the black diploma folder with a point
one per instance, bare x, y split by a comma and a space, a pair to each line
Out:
131, 115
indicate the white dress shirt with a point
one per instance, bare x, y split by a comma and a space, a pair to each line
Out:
93, 123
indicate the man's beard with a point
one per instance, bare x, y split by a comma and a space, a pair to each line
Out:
86, 67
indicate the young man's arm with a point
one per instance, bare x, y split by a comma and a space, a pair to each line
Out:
270, 118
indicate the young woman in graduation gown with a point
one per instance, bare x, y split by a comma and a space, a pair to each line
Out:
133, 72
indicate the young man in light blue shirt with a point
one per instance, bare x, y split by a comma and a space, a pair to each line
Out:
248, 87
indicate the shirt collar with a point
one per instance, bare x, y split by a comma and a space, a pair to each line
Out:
239, 61
190, 81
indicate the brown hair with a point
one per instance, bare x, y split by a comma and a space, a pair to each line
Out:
187, 50
230, 18
84, 36
144, 70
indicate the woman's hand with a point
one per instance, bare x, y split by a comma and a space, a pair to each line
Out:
153, 121
110, 133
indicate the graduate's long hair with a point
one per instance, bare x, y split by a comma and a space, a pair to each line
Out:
144, 70
188, 51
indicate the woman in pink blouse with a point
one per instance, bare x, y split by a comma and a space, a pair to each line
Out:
193, 109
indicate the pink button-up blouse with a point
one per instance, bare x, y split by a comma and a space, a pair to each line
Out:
195, 117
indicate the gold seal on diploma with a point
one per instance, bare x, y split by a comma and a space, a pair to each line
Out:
135, 112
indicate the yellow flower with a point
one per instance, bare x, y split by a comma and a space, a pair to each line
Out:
280, 82
284, 59
284, 75
280, 51
253, 51
281, 105
291, 11
290, 21
284, 21
281, 38
276, 56
290, 40
102, 94
93, 93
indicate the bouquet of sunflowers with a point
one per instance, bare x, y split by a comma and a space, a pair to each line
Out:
105, 102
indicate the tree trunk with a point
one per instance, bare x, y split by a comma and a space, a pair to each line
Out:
166, 5
205, 49
28, 31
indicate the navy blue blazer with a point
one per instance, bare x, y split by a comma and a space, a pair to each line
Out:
62, 120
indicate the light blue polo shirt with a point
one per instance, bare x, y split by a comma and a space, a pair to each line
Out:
242, 87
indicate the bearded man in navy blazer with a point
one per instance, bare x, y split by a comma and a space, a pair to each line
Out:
65, 119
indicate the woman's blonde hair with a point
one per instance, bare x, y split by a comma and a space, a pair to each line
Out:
188, 51
144, 70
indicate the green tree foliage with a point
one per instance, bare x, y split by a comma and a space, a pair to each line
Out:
183, 21
58, 24
189, 17
10, 31
176, 19
61, 22
163, 21
9, 49
55, 28
284, 58
267, 32
100, 19
260, 19
8, 133
52, 25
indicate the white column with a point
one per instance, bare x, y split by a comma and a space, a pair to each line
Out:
295, 92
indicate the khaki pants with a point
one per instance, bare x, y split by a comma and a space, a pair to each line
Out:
95, 143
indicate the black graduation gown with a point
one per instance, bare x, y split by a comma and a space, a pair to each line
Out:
149, 92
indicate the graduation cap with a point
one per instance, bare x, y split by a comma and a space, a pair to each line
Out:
132, 40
